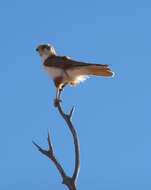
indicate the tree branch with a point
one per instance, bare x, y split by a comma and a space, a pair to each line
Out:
70, 182
67, 118
50, 154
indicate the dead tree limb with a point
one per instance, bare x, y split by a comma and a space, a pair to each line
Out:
70, 182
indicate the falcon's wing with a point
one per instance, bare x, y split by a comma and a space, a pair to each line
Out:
79, 68
92, 69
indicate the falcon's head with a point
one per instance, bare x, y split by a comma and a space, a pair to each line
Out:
45, 51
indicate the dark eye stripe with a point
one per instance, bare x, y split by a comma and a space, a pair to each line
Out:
42, 47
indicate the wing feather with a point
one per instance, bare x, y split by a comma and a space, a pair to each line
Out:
76, 68
97, 70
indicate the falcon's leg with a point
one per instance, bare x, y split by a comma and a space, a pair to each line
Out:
63, 86
57, 100
58, 94
59, 87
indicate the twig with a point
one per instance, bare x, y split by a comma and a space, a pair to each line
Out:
71, 112
50, 154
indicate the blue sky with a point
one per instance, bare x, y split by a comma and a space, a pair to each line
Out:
112, 115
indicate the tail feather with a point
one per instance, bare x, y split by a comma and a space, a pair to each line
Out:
91, 69
99, 71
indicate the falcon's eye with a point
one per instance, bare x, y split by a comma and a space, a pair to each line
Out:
37, 49
48, 47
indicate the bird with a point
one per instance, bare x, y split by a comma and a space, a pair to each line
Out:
66, 71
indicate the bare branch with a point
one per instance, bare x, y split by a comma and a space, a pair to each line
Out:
67, 118
49, 142
71, 112
70, 182
40, 149
49, 153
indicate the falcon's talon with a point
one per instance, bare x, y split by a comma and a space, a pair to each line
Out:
57, 102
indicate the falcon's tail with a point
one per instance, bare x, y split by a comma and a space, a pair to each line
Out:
99, 70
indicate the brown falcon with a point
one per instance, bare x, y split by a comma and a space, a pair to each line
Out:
65, 71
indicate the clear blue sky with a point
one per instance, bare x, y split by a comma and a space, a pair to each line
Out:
112, 115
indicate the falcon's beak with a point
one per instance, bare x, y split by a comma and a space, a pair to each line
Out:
37, 49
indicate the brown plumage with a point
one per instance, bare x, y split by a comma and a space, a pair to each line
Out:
97, 70
66, 63
65, 71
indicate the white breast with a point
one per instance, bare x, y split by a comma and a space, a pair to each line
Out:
72, 76
53, 71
